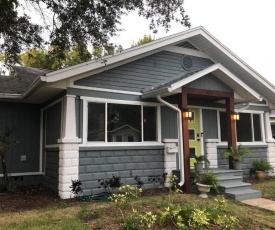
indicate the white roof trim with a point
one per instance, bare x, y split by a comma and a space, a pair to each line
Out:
211, 69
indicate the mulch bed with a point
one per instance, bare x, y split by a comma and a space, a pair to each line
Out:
28, 198
37, 197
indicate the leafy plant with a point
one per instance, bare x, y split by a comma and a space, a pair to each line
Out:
131, 222
173, 189
261, 165
207, 178
6, 142
148, 219
201, 158
237, 153
139, 182
76, 187
109, 184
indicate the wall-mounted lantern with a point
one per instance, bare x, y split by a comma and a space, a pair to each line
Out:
186, 113
235, 116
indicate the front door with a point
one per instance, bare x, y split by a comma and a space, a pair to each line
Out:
194, 135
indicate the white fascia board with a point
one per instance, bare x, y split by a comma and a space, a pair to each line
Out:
194, 77
237, 59
212, 69
127, 54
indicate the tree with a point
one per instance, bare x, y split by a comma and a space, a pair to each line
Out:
144, 40
81, 23
6, 142
41, 58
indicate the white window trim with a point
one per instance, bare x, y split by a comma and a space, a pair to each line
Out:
42, 162
251, 143
87, 143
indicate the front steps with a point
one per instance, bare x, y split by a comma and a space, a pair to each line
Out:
230, 184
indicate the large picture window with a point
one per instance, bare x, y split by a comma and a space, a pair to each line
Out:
248, 128
109, 122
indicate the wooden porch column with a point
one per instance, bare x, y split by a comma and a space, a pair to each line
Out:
231, 127
185, 136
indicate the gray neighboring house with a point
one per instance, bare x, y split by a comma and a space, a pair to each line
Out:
126, 117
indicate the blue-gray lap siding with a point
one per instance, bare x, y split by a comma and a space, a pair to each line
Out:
143, 74
258, 152
50, 179
25, 118
126, 163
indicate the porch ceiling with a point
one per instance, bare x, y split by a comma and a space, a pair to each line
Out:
242, 92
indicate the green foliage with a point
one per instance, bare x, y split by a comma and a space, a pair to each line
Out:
148, 219
81, 23
262, 165
174, 190
207, 178
190, 216
131, 222
201, 158
139, 182
6, 142
41, 58
144, 40
76, 187
128, 194
237, 153
109, 184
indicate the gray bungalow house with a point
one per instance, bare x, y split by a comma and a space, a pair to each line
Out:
127, 116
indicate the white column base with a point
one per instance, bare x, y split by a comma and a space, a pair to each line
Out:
170, 158
68, 168
212, 152
271, 155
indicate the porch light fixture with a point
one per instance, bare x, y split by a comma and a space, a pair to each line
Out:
235, 116
186, 113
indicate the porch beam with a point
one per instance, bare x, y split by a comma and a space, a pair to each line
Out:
185, 135
231, 126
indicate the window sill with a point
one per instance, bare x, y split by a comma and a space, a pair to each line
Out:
121, 146
245, 144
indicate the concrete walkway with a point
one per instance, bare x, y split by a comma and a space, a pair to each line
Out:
261, 203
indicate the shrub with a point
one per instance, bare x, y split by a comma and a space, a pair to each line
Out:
261, 165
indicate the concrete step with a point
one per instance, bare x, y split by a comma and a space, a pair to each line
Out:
225, 186
244, 194
229, 179
227, 172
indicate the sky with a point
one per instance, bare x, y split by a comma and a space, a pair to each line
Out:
246, 27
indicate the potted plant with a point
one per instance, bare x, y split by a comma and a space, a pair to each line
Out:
199, 163
205, 181
261, 167
237, 154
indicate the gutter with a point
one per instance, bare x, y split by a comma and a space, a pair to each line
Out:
180, 144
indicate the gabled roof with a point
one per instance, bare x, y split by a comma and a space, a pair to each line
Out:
200, 38
218, 71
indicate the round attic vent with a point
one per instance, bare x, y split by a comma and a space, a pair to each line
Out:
187, 62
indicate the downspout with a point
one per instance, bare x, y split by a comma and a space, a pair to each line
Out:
180, 144
241, 109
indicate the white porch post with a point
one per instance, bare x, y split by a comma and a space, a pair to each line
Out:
269, 140
68, 149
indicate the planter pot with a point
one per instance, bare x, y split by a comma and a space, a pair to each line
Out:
198, 167
237, 165
203, 189
261, 175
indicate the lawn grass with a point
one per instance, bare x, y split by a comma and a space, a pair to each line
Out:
106, 215
267, 187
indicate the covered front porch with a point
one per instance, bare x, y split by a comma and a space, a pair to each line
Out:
211, 88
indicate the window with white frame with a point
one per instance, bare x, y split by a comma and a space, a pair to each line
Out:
110, 122
248, 128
